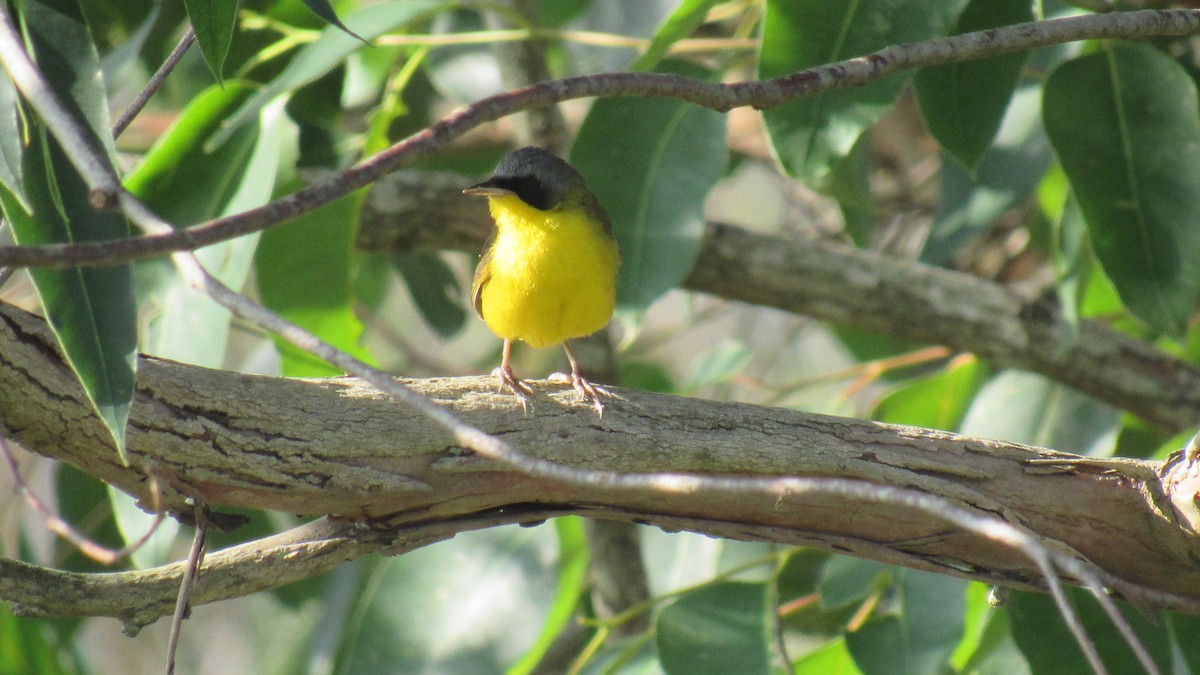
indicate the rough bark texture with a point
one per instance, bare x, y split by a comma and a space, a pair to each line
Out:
317, 447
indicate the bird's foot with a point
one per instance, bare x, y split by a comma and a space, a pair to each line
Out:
516, 386
586, 390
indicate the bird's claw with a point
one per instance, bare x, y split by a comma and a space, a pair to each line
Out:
586, 390
518, 388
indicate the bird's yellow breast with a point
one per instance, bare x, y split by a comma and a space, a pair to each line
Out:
550, 275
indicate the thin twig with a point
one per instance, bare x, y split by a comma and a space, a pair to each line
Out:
722, 97
156, 81
1087, 574
584, 37
183, 603
87, 546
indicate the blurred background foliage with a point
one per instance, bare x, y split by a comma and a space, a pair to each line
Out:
1026, 169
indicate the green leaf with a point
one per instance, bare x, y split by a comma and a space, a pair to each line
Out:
799, 579
186, 184
963, 103
555, 13
65, 52
975, 619
120, 59
1050, 648
1005, 176
327, 52
304, 273
133, 523
1185, 634
82, 500
938, 401
631, 656
647, 376
1073, 261
718, 365
181, 181
435, 290
10, 141
1124, 124
214, 22
572, 584
846, 580
850, 184
91, 310
720, 628
686, 18
481, 598
995, 652
26, 645
1008, 173
832, 659
811, 135
324, 10
920, 638
651, 162
1022, 407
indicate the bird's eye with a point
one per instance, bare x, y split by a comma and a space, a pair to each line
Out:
531, 191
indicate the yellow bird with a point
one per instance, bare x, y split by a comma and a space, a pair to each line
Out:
549, 271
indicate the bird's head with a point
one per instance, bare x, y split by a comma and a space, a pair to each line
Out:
536, 177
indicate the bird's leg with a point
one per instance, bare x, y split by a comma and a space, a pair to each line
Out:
505, 374
587, 390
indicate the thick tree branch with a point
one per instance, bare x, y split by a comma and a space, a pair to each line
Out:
852, 287
722, 97
341, 447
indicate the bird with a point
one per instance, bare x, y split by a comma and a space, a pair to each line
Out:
548, 272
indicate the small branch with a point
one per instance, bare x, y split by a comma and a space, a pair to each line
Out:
722, 97
156, 81
141, 597
183, 605
583, 37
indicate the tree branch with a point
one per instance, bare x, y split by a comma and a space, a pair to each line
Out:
156, 82
851, 287
722, 97
341, 447
139, 598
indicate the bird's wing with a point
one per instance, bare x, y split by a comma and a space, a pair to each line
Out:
483, 274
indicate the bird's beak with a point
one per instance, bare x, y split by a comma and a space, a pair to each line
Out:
486, 189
